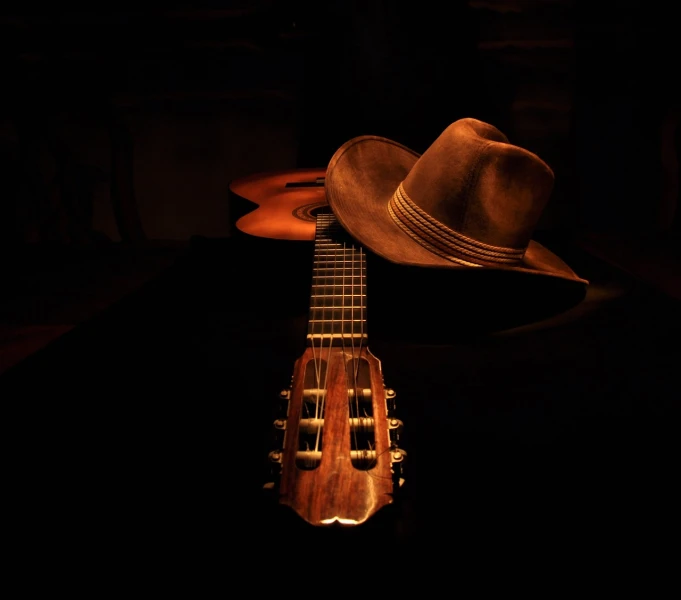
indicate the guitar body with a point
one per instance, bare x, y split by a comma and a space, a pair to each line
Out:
286, 201
336, 458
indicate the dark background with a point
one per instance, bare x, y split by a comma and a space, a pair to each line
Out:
169, 105
120, 130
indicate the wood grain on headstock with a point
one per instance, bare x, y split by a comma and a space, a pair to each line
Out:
337, 491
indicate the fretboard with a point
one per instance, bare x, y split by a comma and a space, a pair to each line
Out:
338, 296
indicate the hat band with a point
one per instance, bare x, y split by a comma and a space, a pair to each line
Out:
443, 241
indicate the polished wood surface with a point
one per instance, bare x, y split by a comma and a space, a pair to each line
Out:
334, 464
285, 201
336, 491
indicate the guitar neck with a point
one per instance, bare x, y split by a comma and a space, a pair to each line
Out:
338, 296
338, 461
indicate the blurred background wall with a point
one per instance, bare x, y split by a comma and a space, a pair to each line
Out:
121, 126
162, 108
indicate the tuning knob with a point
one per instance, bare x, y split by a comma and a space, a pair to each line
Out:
397, 456
275, 457
279, 438
395, 425
390, 396
282, 403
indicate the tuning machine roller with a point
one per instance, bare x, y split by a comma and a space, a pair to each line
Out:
279, 438
282, 404
395, 426
390, 396
281, 417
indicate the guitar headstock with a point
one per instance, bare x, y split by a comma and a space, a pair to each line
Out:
338, 458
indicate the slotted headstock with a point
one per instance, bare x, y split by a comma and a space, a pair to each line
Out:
339, 460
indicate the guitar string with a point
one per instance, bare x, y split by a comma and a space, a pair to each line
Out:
362, 295
361, 327
362, 268
352, 376
324, 388
355, 369
317, 360
362, 324
362, 321
330, 257
371, 472
326, 234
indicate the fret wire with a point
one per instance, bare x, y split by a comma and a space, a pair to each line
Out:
338, 292
320, 268
358, 277
338, 281
330, 288
345, 308
335, 327
317, 318
319, 302
334, 258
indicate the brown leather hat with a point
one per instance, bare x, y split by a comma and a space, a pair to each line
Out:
471, 200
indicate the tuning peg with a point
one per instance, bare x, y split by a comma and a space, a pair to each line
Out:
282, 403
275, 457
279, 434
390, 400
394, 429
397, 456
395, 425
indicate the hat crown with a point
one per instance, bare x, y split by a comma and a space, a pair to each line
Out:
474, 182
472, 200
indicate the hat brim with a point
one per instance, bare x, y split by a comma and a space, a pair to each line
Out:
361, 178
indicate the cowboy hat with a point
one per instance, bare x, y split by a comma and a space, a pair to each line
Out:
470, 200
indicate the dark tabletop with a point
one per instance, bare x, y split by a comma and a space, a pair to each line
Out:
536, 413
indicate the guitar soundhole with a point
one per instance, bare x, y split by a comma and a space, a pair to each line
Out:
311, 426
308, 212
319, 208
362, 430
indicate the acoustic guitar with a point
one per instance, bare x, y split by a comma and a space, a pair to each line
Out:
336, 459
